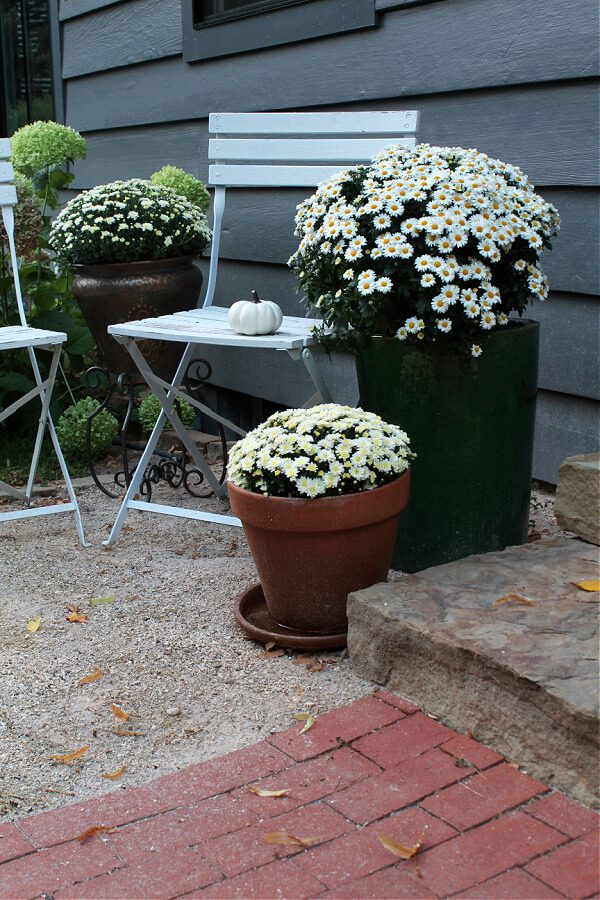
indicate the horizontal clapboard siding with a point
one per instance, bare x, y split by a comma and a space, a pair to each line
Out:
558, 147
415, 51
565, 426
107, 39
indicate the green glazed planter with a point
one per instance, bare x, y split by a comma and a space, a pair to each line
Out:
470, 422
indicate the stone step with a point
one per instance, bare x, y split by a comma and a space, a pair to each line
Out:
523, 678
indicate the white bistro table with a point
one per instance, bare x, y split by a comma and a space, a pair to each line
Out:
201, 327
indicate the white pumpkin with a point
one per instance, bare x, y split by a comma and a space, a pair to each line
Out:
255, 316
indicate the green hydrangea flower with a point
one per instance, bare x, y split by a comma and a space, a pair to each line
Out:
43, 145
184, 184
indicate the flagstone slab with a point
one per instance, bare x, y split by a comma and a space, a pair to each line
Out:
519, 673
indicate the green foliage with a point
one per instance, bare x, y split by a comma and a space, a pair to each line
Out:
72, 425
38, 153
127, 221
150, 409
183, 183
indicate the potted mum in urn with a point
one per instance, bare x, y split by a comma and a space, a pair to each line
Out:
132, 246
319, 492
415, 262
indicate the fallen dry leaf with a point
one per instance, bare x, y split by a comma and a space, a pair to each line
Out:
273, 654
588, 585
119, 713
98, 601
516, 598
114, 776
74, 615
284, 837
93, 676
123, 733
70, 757
262, 793
93, 831
308, 718
270, 645
400, 850
34, 624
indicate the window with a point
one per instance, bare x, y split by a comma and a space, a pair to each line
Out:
208, 12
214, 28
25, 64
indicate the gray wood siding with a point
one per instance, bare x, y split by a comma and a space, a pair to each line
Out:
514, 80
418, 50
552, 134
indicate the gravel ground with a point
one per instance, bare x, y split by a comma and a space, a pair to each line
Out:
170, 652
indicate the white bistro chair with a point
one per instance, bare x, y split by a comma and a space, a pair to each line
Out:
252, 150
22, 337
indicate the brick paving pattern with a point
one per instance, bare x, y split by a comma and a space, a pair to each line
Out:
379, 766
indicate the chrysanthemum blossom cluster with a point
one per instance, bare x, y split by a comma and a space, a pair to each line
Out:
323, 451
44, 145
434, 243
128, 221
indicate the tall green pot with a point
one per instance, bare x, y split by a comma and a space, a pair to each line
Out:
471, 423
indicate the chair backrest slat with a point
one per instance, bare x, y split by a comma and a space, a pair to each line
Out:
4, 148
379, 122
8, 199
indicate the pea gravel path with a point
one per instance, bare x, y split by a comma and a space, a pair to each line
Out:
170, 653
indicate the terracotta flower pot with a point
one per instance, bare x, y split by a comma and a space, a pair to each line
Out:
310, 554
122, 292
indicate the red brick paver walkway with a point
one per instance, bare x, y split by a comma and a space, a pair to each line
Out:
376, 767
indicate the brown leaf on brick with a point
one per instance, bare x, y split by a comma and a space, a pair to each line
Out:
264, 793
70, 757
93, 676
284, 837
119, 713
93, 831
114, 776
516, 598
398, 849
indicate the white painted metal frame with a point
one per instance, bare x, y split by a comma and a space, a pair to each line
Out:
261, 150
24, 337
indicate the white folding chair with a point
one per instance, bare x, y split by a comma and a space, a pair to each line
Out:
17, 337
252, 150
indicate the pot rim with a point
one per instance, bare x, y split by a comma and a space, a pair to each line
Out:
345, 511
170, 261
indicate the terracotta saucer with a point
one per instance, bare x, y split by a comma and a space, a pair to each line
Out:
250, 610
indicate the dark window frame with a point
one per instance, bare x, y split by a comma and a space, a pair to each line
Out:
296, 20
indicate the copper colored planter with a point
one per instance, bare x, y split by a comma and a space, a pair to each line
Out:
310, 554
122, 292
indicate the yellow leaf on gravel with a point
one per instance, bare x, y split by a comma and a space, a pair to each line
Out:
114, 776
262, 793
119, 713
588, 585
397, 849
70, 757
34, 624
97, 601
516, 598
93, 676
284, 837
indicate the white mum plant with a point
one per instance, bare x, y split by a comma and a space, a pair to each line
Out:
129, 221
425, 243
323, 451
